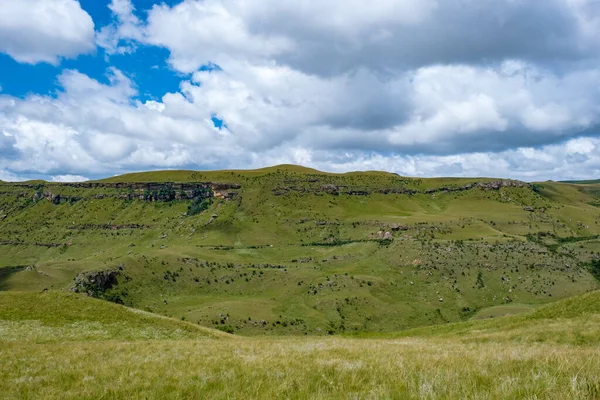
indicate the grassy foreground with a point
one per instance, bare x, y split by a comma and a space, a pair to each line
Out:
299, 368
504, 358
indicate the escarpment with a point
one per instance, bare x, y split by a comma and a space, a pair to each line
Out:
313, 186
146, 191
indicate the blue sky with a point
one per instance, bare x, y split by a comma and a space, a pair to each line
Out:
147, 65
418, 87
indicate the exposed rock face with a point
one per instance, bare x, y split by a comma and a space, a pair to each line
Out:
381, 235
494, 185
55, 198
144, 185
148, 191
336, 190
95, 283
359, 191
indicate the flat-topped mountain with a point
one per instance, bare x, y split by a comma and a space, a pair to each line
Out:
293, 250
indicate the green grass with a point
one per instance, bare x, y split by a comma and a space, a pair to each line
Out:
69, 317
575, 320
502, 311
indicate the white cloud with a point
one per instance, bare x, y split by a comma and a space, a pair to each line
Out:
93, 128
580, 146
69, 178
33, 31
126, 29
8, 176
529, 164
325, 37
473, 108
400, 85
457, 120
197, 32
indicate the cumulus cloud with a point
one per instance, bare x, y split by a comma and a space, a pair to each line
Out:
95, 128
462, 120
324, 37
465, 108
124, 32
197, 32
33, 31
460, 87
530, 164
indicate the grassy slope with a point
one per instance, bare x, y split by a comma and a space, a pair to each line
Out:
575, 320
584, 182
261, 265
437, 364
70, 317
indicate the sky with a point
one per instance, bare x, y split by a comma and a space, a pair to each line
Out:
497, 88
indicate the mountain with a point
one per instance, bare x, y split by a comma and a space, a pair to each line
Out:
291, 250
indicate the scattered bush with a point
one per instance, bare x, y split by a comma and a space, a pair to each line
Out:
226, 328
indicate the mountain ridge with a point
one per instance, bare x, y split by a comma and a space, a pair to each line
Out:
287, 250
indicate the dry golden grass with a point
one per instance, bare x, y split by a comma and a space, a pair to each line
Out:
72, 347
299, 368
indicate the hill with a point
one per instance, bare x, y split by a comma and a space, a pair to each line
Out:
584, 182
290, 250
571, 321
69, 317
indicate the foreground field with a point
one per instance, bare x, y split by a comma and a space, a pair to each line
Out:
299, 368
550, 353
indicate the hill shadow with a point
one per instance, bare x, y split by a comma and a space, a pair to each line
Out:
6, 273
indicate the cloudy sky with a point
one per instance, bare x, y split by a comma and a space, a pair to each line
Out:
503, 88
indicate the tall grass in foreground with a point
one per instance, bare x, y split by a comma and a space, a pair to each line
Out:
299, 368
65, 346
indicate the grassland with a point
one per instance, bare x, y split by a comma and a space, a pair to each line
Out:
358, 285
550, 353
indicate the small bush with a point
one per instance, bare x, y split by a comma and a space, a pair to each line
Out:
226, 328
198, 205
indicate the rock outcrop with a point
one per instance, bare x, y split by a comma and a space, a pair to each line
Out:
336, 190
147, 191
95, 283
494, 185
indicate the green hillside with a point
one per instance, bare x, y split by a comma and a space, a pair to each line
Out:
585, 182
69, 317
288, 250
575, 320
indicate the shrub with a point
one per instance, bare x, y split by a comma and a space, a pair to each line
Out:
594, 268
198, 205
479, 281
226, 328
